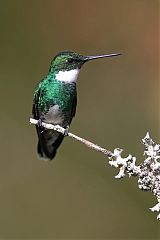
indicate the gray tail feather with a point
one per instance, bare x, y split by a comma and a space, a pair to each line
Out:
48, 151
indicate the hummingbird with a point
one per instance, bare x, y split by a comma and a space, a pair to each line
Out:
55, 99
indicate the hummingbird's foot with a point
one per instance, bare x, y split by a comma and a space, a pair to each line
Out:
66, 131
39, 123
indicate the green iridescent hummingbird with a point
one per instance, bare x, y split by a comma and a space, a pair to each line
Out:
55, 99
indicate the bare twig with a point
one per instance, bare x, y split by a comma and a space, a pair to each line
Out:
82, 140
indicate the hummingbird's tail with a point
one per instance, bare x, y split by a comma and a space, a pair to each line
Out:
48, 143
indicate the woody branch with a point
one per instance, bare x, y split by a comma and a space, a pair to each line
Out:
148, 172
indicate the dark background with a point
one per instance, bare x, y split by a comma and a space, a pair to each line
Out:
76, 196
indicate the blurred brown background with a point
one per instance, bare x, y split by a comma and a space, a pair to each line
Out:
76, 196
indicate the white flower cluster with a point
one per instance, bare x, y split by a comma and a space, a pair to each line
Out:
148, 172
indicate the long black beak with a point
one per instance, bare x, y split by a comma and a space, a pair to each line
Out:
87, 58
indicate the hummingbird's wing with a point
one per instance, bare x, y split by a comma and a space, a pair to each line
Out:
35, 110
74, 105
40, 130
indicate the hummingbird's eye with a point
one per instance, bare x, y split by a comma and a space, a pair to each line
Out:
70, 60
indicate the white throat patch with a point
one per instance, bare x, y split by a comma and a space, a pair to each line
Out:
68, 76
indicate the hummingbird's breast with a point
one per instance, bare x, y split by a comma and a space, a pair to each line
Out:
56, 102
54, 115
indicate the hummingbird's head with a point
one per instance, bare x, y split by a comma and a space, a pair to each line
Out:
67, 64
67, 60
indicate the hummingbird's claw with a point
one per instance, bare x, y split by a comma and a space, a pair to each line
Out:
39, 123
66, 131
